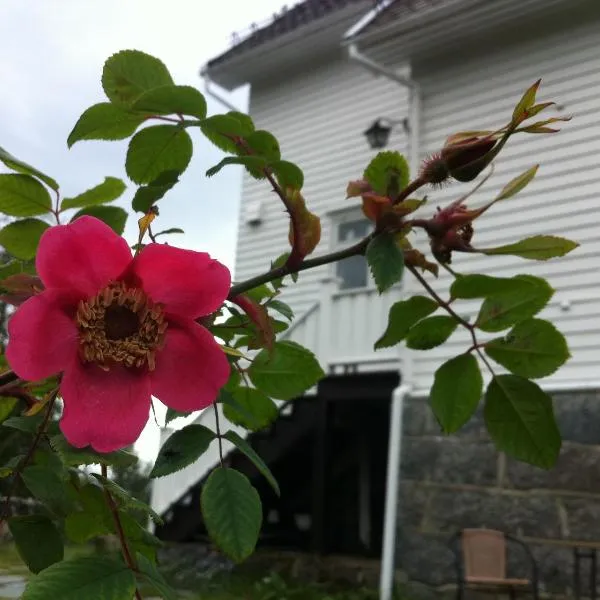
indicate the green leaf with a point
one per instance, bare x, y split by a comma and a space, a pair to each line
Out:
483, 286
38, 541
220, 129
12, 162
12, 267
533, 348
173, 414
150, 574
23, 196
7, 405
252, 409
82, 526
287, 372
148, 195
114, 216
47, 486
282, 308
184, 447
520, 419
386, 261
169, 231
387, 173
107, 191
517, 184
431, 332
288, 174
253, 164
105, 121
526, 101
500, 311
130, 73
74, 457
243, 446
232, 512
264, 144
171, 99
89, 577
21, 238
538, 247
25, 424
157, 149
403, 315
456, 391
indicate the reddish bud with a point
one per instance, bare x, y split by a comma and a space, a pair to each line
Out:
466, 159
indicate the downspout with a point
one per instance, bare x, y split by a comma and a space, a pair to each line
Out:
208, 88
388, 552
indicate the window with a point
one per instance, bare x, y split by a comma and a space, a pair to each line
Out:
349, 228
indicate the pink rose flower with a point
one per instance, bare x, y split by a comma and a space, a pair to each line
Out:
119, 329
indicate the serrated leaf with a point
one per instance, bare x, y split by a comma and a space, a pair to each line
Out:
264, 144
254, 165
287, 372
220, 129
430, 332
93, 577
150, 574
80, 527
157, 149
282, 308
128, 74
12, 162
500, 311
184, 447
517, 184
243, 446
105, 121
252, 409
387, 173
386, 261
46, 485
38, 541
402, 316
23, 196
86, 456
483, 286
147, 195
288, 174
25, 424
107, 191
532, 348
21, 238
7, 405
232, 512
456, 392
520, 419
114, 216
538, 247
172, 99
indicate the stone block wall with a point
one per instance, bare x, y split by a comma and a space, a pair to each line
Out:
452, 482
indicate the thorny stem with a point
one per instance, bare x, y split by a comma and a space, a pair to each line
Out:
219, 437
119, 527
38, 436
278, 272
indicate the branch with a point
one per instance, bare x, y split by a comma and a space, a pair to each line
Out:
413, 186
119, 527
318, 261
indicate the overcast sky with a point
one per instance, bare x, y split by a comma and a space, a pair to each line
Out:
52, 56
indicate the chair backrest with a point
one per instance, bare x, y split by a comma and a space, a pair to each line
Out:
484, 553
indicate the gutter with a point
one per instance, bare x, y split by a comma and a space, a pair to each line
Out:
208, 88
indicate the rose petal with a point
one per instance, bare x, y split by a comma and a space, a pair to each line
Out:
191, 368
104, 409
42, 336
84, 256
189, 284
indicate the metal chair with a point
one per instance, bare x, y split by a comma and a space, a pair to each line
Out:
480, 560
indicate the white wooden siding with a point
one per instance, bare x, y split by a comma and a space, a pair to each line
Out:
479, 91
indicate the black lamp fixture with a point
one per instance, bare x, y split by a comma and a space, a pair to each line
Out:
378, 133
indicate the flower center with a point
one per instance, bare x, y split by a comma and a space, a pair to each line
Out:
120, 325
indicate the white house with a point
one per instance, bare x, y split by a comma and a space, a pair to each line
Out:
321, 73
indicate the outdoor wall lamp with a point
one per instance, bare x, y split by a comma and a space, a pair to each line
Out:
378, 134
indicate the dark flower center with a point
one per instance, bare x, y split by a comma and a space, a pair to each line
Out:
120, 322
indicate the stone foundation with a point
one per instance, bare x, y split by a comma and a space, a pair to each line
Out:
453, 482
